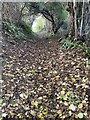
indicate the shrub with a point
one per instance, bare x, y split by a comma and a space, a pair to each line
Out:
25, 27
13, 29
66, 43
85, 48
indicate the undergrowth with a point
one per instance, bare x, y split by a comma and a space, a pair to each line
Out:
21, 30
67, 44
25, 27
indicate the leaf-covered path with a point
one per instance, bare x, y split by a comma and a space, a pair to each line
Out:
42, 80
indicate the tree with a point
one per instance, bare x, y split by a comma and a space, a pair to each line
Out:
54, 12
81, 18
75, 18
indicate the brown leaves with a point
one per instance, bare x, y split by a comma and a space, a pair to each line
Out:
44, 81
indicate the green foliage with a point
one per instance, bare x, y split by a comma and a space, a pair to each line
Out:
85, 48
57, 10
20, 30
52, 11
13, 29
66, 43
26, 27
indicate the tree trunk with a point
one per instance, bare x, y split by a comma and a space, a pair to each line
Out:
81, 27
70, 9
75, 19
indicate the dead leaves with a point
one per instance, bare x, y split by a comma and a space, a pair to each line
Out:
45, 82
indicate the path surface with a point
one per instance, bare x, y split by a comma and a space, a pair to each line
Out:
43, 80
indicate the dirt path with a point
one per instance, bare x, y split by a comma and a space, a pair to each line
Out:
42, 80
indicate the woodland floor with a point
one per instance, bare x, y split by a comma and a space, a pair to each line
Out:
43, 80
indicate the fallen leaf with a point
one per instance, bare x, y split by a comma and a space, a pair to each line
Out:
23, 95
40, 115
80, 115
80, 105
36, 103
72, 107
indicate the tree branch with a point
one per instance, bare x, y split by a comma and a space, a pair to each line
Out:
22, 11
